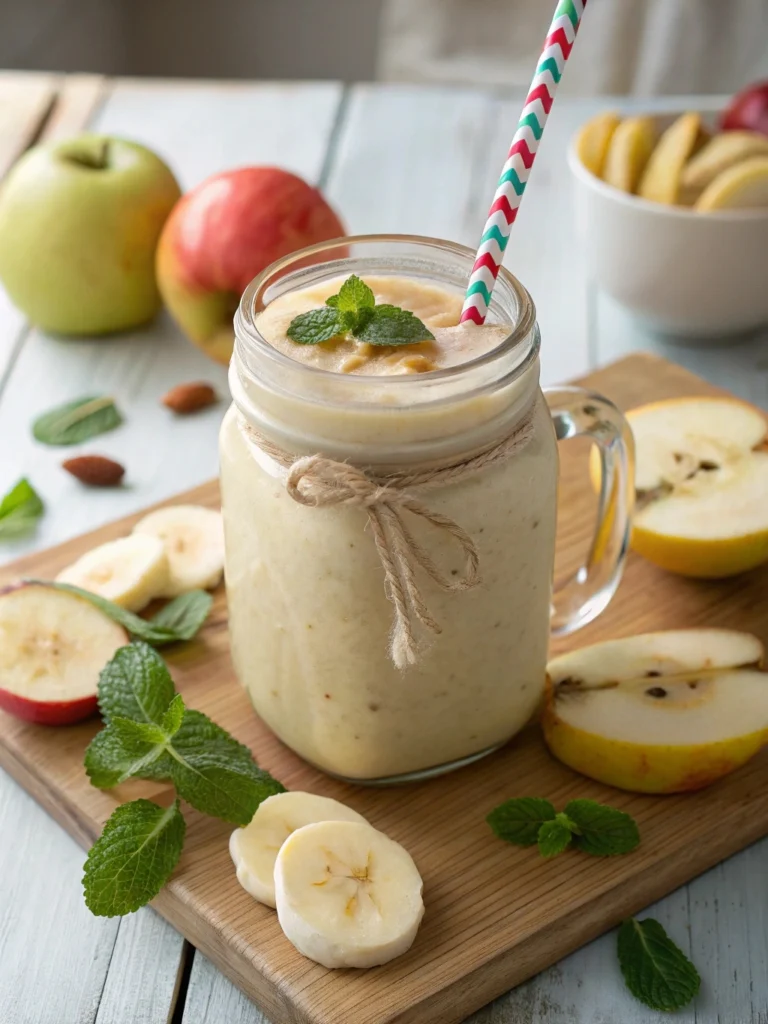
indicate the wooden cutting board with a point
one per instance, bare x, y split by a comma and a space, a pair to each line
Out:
496, 914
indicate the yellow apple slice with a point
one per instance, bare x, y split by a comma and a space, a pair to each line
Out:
721, 152
660, 181
702, 489
743, 186
629, 148
660, 712
593, 140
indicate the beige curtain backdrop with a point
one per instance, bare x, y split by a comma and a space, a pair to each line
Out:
625, 46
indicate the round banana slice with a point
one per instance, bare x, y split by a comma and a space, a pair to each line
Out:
347, 895
130, 572
194, 542
628, 151
743, 186
660, 181
720, 153
593, 140
254, 848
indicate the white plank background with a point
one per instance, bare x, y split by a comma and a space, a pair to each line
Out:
391, 159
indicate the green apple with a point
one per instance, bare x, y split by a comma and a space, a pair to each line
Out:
79, 224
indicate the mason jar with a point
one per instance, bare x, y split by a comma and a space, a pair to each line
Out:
390, 540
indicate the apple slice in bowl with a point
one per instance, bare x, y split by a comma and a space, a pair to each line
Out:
53, 645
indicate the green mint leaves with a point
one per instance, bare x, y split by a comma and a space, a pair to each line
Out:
655, 970
584, 824
354, 311
149, 733
180, 619
77, 421
20, 509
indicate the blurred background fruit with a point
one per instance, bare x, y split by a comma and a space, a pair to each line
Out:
748, 110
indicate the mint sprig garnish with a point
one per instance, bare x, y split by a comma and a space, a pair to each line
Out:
20, 509
180, 619
584, 824
353, 312
656, 971
149, 733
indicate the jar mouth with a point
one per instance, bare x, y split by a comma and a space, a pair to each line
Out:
319, 261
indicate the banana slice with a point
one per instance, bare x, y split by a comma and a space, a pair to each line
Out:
194, 542
628, 152
254, 848
593, 140
743, 186
347, 895
131, 571
660, 181
720, 153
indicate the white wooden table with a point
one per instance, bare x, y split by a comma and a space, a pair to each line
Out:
391, 159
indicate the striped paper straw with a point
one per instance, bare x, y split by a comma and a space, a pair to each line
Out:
522, 152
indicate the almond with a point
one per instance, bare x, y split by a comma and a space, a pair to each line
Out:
187, 398
95, 470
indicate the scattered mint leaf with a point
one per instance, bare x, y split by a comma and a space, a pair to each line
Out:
184, 615
19, 510
77, 421
518, 821
655, 970
554, 837
601, 830
180, 619
316, 326
354, 296
133, 858
172, 719
215, 773
392, 326
110, 761
136, 684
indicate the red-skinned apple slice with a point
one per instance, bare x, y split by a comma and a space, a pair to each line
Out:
53, 645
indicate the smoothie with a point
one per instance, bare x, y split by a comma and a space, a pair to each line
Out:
309, 617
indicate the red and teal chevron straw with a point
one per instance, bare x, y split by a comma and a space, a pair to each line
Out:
522, 152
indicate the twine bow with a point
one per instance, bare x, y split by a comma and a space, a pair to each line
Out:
319, 482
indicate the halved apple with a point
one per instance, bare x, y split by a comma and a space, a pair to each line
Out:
702, 488
661, 712
53, 645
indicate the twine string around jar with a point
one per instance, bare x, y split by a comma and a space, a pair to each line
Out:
318, 482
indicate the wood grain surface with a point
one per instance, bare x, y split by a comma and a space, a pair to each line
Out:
495, 914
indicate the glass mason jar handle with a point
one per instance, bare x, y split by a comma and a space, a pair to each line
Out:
580, 413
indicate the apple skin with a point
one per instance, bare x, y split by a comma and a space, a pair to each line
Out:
225, 232
79, 225
748, 110
63, 712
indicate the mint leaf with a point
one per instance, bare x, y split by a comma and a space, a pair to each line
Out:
172, 719
601, 830
110, 760
315, 326
390, 325
183, 616
215, 773
655, 970
178, 620
136, 684
19, 510
554, 836
354, 296
77, 421
135, 735
518, 821
133, 858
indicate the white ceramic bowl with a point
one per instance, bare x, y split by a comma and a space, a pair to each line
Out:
699, 276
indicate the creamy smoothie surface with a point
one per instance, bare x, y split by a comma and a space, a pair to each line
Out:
437, 308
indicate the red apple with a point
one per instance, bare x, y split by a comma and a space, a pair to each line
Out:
748, 110
53, 646
222, 234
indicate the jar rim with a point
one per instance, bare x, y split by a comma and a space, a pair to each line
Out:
247, 334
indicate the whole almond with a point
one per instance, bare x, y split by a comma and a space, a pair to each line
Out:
95, 470
187, 398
